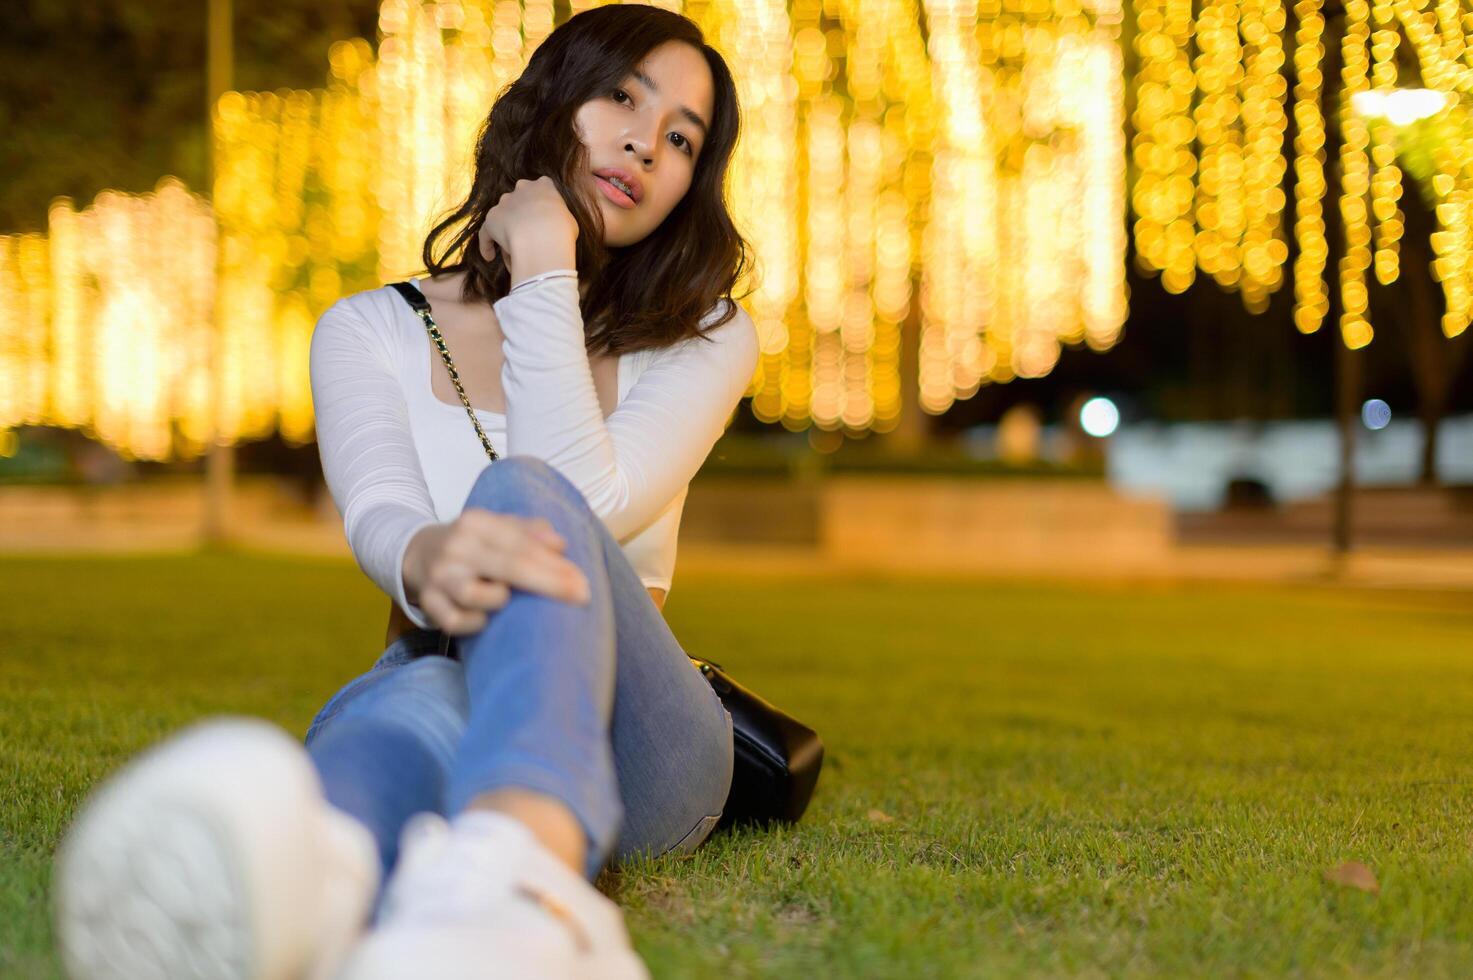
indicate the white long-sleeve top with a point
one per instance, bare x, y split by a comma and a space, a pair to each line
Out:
396, 458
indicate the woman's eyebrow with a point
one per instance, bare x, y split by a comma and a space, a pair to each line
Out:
684, 110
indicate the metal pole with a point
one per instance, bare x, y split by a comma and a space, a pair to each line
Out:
1347, 362
1347, 393
220, 461
910, 434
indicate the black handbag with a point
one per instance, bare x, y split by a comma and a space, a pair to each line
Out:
776, 758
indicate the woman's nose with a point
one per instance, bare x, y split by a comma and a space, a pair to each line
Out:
639, 145
640, 150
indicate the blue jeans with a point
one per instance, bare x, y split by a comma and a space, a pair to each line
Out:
596, 705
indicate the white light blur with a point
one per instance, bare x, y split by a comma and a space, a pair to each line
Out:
1099, 417
1401, 106
1376, 414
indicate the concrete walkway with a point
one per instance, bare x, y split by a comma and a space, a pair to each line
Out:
43, 522
1425, 569
1436, 570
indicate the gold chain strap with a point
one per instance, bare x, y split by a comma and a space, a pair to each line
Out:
439, 341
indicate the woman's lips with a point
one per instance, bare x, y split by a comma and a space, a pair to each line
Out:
613, 193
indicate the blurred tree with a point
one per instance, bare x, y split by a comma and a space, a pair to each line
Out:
1435, 358
99, 94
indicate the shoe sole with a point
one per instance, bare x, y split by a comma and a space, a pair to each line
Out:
521, 945
546, 921
189, 863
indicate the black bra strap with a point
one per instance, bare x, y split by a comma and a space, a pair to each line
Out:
412, 296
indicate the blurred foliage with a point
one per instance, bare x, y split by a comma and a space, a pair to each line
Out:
1421, 139
111, 94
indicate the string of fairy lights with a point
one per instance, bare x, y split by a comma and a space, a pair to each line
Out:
1023, 247
1439, 39
1355, 178
950, 174
1209, 148
1311, 298
123, 353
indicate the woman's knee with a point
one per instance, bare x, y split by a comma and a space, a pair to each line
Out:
714, 786
524, 484
425, 697
674, 799
722, 765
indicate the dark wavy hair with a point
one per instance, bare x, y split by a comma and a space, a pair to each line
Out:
649, 294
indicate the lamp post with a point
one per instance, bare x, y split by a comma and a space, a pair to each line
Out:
220, 460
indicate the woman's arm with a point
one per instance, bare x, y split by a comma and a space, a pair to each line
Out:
368, 455
633, 463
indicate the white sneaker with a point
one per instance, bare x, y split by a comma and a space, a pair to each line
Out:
482, 898
213, 856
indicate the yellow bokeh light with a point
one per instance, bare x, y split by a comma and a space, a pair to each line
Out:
962, 185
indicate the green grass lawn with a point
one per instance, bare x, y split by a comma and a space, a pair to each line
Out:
1022, 779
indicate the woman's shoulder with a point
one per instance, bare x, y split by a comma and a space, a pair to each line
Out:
375, 306
720, 354
718, 310
372, 317
735, 335
715, 327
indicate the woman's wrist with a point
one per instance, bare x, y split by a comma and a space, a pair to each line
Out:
543, 277
412, 568
538, 255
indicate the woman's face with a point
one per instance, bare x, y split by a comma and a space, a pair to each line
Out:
648, 132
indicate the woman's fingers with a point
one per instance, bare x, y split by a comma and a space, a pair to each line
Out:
543, 528
457, 610
479, 593
448, 616
484, 556
486, 238
538, 570
486, 235
488, 244
517, 554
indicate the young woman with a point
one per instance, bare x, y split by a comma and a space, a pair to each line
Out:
532, 717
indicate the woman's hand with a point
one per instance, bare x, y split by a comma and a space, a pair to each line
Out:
533, 228
459, 571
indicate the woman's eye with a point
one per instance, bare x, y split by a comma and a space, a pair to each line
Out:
619, 95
